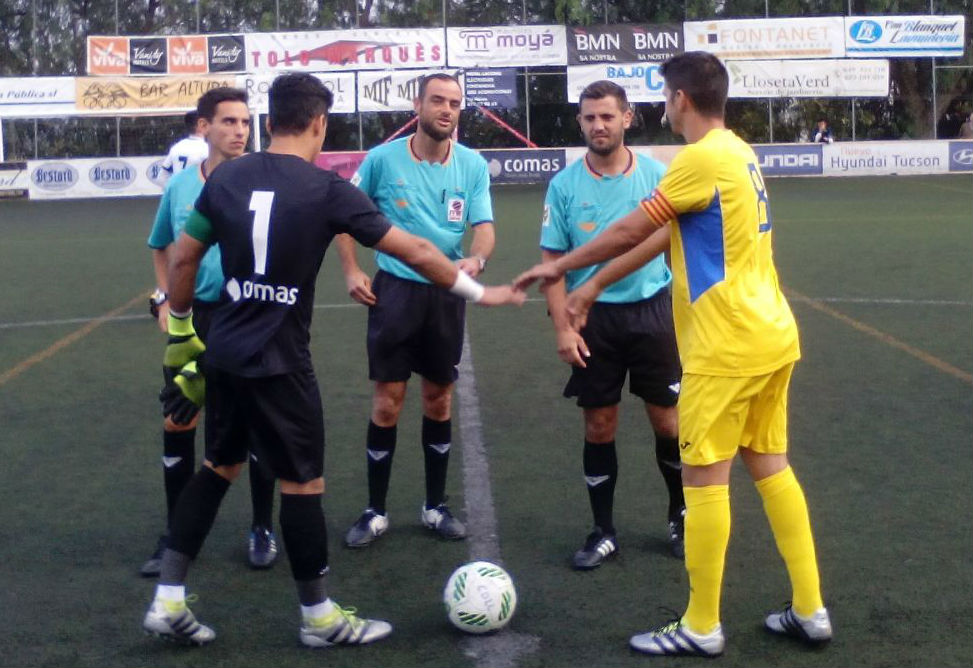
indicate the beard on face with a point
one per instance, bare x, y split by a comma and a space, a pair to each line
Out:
429, 126
605, 149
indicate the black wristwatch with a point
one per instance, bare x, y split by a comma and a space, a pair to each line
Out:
157, 299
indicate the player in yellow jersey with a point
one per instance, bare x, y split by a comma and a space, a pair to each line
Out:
738, 343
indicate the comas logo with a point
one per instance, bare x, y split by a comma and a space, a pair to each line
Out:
260, 292
56, 176
112, 174
865, 32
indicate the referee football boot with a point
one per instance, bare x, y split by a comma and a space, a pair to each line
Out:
441, 520
676, 639
598, 547
677, 535
171, 620
813, 630
262, 550
366, 529
342, 627
153, 565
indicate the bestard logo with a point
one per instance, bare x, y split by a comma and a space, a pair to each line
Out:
278, 294
112, 174
54, 176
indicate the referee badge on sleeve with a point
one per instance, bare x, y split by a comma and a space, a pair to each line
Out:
454, 209
546, 219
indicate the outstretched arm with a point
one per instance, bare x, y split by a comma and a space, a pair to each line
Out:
481, 248
358, 282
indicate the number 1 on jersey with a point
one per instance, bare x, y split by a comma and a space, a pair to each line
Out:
260, 203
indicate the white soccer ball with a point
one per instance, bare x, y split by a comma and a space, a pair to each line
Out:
480, 597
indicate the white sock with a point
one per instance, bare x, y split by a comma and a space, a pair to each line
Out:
318, 610
171, 593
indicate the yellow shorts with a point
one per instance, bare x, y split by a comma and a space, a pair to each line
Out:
718, 415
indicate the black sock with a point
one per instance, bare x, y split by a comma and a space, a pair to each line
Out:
380, 443
261, 493
600, 473
436, 441
196, 511
667, 457
178, 465
305, 536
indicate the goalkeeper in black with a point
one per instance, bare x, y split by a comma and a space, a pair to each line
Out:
273, 215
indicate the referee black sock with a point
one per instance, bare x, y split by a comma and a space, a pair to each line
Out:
437, 439
261, 493
305, 534
178, 465
196, 511
667, 457
600, 474
380, 443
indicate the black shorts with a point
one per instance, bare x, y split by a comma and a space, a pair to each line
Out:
414, 327
636, 338
279, 418
203, 316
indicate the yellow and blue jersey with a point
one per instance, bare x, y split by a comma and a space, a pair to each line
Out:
730, 315
581, 203
177, 202
435, 201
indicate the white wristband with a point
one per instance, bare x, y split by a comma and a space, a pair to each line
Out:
467, 288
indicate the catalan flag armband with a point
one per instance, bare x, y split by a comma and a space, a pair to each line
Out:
658, 208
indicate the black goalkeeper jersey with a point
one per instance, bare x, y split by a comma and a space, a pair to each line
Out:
273, 216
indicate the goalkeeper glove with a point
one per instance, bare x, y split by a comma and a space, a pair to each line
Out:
183, 396
183, 346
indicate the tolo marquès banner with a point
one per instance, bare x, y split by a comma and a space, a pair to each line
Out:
642, 81
808, 78
811, 37
391, 91
507, 46
121, 94
903, 36
341, 84
623, 43
330, 50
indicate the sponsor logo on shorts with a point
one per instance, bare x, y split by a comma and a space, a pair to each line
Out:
684, 445
261, 292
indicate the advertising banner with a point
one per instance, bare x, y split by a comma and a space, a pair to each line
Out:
523, 165
493, 89
507, 46
345, 163
187, 55
806, 37
642, 82
789, 159
121, 94
623, 43
107, 55
148, 55
342, 84
225, 53
961, 156
94, 177
13, 178
905, 36
361, 49
390, 91
899, 157
31, 97
808, 78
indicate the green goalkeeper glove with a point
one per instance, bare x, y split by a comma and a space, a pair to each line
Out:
183, 346
183, 397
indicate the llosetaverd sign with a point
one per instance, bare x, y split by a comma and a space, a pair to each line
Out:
810, 37
905, 36
808, 78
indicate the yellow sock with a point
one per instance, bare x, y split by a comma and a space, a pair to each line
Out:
707, 535
787, 511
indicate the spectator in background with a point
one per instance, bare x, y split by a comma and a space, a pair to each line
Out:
966, 129
823, 134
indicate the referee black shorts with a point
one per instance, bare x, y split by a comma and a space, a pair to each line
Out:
637, 339
414, 327
279, 418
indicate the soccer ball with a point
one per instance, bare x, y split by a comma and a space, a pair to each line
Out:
480, 597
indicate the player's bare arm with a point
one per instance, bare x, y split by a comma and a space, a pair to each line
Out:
481, 248
160, 265
579, 302
426, 259
359, 283
571, 346
623, 235
187, 253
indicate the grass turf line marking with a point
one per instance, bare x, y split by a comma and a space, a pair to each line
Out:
922, 356
500, 650
66, 341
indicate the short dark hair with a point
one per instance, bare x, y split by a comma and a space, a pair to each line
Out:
702, 78
190, 120
598, 90
208, 101
295, 99
441, 76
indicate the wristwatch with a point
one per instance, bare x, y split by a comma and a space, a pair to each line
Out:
157, 299
482, 260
